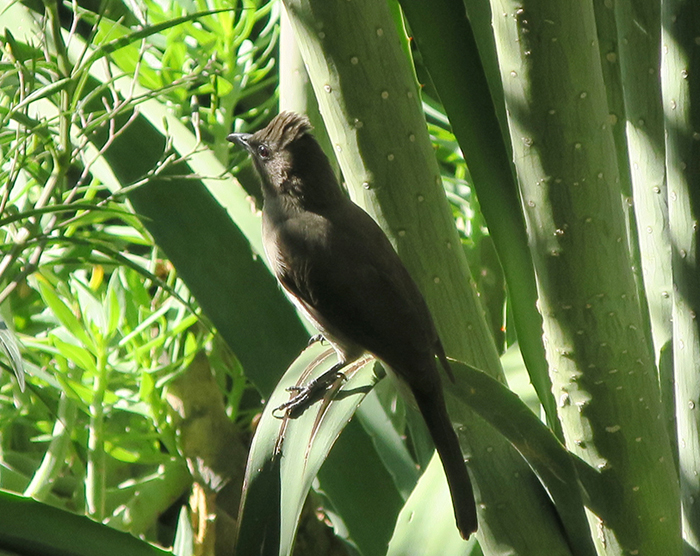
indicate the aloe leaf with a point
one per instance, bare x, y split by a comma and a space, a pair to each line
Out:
446, 40
424, 526
680, 80
601, 365
36, 529
286, 454
551, 462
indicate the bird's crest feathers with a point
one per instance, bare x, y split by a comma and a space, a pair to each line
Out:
285, 128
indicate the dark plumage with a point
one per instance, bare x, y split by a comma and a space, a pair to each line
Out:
339, 268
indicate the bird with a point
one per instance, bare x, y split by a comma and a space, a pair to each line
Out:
339, 268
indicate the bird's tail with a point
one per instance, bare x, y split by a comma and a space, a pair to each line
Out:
432, 407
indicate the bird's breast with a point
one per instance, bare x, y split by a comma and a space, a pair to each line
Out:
294, 245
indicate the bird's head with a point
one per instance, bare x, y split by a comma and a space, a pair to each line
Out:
289, 159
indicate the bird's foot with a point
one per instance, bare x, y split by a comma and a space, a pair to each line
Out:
316, 338
310, 393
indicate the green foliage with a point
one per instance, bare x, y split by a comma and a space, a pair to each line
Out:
105, 321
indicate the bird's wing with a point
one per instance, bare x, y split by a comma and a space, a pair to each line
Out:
359, 292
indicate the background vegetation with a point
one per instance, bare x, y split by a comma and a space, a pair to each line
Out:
150, 330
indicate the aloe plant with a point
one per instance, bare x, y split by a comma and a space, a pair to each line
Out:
575, 200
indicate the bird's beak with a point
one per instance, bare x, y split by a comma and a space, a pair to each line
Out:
243, 139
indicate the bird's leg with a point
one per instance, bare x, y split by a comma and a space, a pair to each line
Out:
311, 392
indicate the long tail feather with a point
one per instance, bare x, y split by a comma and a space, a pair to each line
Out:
432, 407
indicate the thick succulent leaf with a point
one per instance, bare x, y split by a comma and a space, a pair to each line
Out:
547, 457
426, 524
286, 454
35, 529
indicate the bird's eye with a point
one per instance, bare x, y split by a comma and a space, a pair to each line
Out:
263, 152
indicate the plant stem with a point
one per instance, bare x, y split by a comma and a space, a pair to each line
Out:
52, 463
96, 472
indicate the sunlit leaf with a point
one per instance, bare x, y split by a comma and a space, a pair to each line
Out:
426, 525
548, 458
286, 454
80, 356
9, 346
64, 314
54, 532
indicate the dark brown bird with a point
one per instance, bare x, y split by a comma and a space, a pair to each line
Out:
339, 268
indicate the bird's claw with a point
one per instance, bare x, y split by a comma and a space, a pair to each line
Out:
307, 395
315, 338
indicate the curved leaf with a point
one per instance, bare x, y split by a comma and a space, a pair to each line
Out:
286, 454
550, 461
426, 523
8, 344
31, 528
